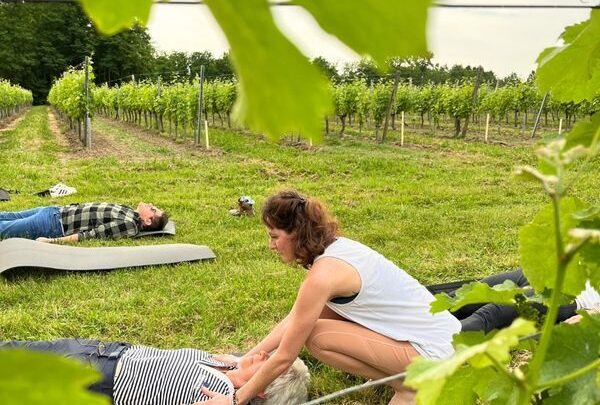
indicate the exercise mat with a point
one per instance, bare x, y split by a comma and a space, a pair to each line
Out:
17, 252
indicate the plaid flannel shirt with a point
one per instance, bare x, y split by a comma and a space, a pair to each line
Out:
102, 220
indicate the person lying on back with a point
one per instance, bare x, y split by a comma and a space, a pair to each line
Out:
144, 375
489, 316
77, 222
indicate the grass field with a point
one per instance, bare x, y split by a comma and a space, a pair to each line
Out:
442, 209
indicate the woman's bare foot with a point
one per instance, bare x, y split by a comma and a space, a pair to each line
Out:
404, 397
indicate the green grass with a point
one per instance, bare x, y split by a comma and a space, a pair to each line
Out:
440, 208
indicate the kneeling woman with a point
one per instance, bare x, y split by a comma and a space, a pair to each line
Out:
355, 310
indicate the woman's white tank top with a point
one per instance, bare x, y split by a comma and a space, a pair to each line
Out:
391, 302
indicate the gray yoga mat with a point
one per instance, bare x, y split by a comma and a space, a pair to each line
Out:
17, 252
169, 229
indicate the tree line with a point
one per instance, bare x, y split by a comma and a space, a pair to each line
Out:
41, 41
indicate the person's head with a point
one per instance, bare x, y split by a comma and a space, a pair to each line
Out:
289, 388
151, 218
300, 228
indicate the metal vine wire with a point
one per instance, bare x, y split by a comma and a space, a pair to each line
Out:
582, 4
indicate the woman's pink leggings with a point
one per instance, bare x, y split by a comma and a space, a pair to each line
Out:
358, 350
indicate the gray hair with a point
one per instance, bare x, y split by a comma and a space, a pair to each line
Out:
290, 388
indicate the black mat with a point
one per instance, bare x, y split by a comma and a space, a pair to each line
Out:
169, 229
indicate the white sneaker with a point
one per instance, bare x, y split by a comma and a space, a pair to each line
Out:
61, 190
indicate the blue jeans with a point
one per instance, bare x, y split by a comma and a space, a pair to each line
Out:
102, 356
31, 224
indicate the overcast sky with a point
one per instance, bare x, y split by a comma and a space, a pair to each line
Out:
502, 40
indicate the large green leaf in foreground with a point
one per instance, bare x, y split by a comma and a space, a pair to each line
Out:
431, 376
30, 378
585, 133
572, 71
537, 246
378, 28
477, 293
112, 16
573, 347
280, 91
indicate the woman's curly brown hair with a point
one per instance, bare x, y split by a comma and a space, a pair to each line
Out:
307, 218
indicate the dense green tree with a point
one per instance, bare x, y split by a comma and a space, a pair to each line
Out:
118, 57
364, 69
510, 80
39, 41
223, 67
328, 68
198, 59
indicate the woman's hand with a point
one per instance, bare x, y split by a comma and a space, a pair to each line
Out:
229, 359
215, 398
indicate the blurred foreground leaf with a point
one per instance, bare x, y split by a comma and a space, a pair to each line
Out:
32, 378
280, 91
431, 376
571, 348
380, 29
572, 71
537, 246
112, 16
477, 293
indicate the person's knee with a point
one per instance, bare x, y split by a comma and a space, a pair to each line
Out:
315, 344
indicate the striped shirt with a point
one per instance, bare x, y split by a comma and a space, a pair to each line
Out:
102, 220
150, 376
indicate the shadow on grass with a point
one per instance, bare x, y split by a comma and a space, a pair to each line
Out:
18, 274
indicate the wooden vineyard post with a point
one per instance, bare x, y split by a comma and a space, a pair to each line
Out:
199, 119
560, 126
159, 122
487, 126
389, 109
88, 121
537, 118
402, 128
206, 134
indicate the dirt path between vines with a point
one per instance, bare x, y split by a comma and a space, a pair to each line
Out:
161, 141
8, 124
102, 144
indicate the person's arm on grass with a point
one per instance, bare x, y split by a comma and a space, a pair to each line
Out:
116, 228
322, 283
68, 238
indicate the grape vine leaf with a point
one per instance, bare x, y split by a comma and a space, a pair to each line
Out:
430, 376
374, 31
572, 71
585, 133
494, 387
35, 378
588, 214
280, 91
112, 16
468, 384
571, 348
537, 248
476, 293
